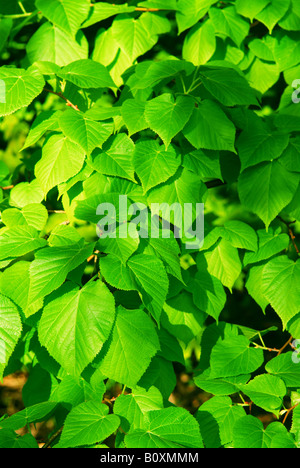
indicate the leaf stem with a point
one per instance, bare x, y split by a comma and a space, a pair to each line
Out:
69, 103
52, 439
291, 233
288, 412
280, 351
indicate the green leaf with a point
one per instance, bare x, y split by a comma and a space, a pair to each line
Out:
132, 36
34, 215
135, 406
228, 23
284, 367
270, 243
262, 75
87, 424
273, 13
26, 193
133, 115
87, 74
10, 330
266, 391
14, 283
224, 263
115, 157
121, 248
66, 14
189, 12
166, 70
83, 131
50, 267
101, 11
216, 418
153, 163
201, 134
76, 323
168, 117
234, 356
61, 160
227, 86
35, 413
250, 10
46, 45
220, 387
19, 241
275, 185
63, 235
9, 439
21, 88
254, 286
249, 432
259, 144
152, 282
159, 4
208, 292
45, 121
5, 28
182, 318
240, 235
133, 334
166, 428
200, 44
280, 283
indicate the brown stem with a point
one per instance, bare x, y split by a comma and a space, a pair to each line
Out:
52, 439
8, 188
285, 346
291, 233
69, 103
147, 9
288, 412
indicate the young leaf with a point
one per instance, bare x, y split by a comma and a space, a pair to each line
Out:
168, 117
76, 323
87, 74
133, 335
21, 87
10, 330
153, 163
61, 160
202, 135
169, 427
281, 287
87, 424
83, 131
66, 14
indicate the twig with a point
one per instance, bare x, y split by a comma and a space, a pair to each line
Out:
147, 9
9, 187
280, 351
69, 103
271, 350
288, 412
52, 439
291, 233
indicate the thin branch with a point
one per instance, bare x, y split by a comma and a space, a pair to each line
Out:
271, 350
280, 351
53, 438
288, 412
9, 187
291, 233
69, 103
147, 9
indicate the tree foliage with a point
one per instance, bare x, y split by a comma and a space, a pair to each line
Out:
172, 101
